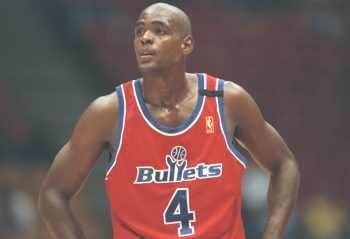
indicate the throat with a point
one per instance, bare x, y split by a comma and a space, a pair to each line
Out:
170, 115
170, 106
167, 108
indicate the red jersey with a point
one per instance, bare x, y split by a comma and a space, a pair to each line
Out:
185, 181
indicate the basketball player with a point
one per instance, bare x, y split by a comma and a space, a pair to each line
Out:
175, 170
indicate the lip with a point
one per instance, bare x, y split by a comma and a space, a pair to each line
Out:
146, 56
146, 52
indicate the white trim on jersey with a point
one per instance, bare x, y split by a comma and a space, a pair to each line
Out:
227, 140
122, 125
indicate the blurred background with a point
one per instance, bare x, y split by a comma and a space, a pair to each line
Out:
293, 56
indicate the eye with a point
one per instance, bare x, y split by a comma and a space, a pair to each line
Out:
159, 31
138, 32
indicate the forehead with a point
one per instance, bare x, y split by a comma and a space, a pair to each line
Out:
157, 16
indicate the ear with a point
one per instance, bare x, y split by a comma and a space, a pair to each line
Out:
187, 45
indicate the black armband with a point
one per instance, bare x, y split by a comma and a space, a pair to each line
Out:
212, 93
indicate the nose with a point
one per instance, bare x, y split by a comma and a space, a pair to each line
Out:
147, 38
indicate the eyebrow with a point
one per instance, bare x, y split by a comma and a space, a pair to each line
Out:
155, 22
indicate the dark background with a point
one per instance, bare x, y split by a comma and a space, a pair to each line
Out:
56, 56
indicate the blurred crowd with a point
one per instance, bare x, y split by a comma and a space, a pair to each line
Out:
19, 218
292, 56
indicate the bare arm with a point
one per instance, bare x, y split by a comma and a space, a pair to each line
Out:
270, 152
72, 166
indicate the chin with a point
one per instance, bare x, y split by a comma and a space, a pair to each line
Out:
149, 68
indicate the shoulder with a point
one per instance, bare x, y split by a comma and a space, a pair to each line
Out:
98, 120
103, 111
241, 106
233, 90
105, 104
236, 97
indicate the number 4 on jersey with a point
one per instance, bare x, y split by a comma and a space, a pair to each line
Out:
178, 211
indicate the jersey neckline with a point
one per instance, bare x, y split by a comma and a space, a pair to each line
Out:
159, 127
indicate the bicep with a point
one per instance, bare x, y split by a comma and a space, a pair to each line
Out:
75, 160
257, 136
265, 145
70, 169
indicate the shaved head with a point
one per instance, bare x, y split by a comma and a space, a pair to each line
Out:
162, 38
176, 17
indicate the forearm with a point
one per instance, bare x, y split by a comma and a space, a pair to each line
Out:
282, 195
57, 215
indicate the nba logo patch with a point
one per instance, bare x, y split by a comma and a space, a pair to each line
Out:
209, 124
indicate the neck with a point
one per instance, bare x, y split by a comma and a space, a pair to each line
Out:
165, 90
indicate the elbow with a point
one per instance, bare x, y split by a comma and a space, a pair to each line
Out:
43, 203
293, 167
290, 168
48, 201
297, 173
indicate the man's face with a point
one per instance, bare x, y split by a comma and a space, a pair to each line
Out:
157, 41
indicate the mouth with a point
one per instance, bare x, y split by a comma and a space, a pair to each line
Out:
145, 52
146, 55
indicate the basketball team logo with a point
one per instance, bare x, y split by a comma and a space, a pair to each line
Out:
177, 170
178, 153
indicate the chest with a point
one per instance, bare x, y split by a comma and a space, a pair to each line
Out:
174, 115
